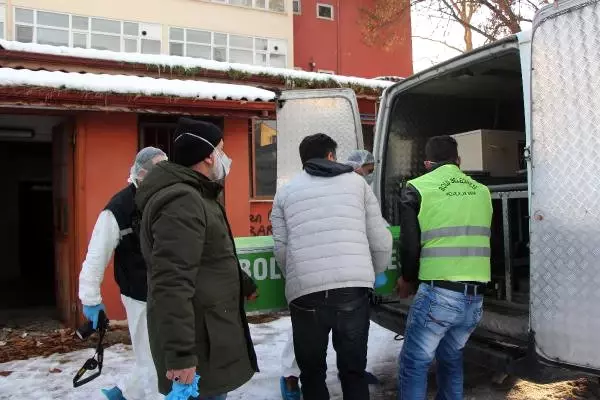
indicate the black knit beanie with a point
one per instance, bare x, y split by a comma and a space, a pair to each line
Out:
189, 148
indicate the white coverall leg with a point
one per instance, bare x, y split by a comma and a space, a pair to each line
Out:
143, 377
142, 384
289, 367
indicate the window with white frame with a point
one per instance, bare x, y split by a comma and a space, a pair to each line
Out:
297, 7
58, 29
2, 21
271, 5
325, 11
227, 47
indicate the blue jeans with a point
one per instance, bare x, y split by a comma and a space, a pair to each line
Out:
439, 324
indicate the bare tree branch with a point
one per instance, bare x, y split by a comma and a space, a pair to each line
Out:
535, 6
465, 24
499, 12
491, 19
440, 42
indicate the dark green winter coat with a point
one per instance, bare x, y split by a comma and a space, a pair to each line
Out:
195, 299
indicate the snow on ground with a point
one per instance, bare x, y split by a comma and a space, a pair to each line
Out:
51, 378
126, 84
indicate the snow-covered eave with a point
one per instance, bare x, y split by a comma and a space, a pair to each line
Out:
13, 53
118, 92
62, 99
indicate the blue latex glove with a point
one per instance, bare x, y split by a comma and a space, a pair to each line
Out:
91, 313
380, 280
180, 391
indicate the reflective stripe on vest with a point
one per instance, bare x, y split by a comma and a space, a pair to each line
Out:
455, 231
455, 252
125, 232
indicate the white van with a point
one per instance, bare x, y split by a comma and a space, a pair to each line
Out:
542, 90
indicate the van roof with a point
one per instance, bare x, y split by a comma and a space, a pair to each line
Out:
465, 58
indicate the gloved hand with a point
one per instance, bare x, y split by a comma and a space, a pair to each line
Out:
180, 391
380, 280
91, 313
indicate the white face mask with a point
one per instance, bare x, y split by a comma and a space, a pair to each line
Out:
369, 178
221, 170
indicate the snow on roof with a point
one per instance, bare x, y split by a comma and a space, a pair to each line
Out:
190, 63
126, 84
391, 78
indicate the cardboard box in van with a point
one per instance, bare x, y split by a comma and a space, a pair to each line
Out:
495, 152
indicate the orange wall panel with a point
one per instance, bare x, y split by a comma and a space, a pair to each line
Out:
260, 214
237, 184
106, 147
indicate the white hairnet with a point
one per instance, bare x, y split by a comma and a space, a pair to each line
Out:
355, 165
358, 158
143, 163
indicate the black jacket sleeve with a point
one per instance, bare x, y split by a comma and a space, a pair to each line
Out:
410, 234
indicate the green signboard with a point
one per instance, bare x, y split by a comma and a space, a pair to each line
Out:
257, 260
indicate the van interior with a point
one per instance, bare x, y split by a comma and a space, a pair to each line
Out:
483, 106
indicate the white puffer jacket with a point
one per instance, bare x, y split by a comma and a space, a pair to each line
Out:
328, 231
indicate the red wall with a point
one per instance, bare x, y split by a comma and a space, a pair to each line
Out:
237, 184
339, 46
106, 145
260, 213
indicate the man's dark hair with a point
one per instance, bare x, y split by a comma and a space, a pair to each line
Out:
441, 149
316, 146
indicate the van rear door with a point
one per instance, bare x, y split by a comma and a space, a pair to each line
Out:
565, 185
305, 112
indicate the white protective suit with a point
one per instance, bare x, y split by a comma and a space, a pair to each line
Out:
105, 239
289, 367
142, 383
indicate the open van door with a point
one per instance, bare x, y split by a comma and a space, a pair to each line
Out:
565, 185
305, 112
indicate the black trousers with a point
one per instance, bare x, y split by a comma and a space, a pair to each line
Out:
346, 313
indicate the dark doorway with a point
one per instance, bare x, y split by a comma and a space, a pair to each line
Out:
36, 242
26, 233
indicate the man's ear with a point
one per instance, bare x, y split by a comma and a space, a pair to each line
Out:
210, 160
331, 156
428, 165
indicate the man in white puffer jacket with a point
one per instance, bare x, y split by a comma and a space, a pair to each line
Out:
330, 242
